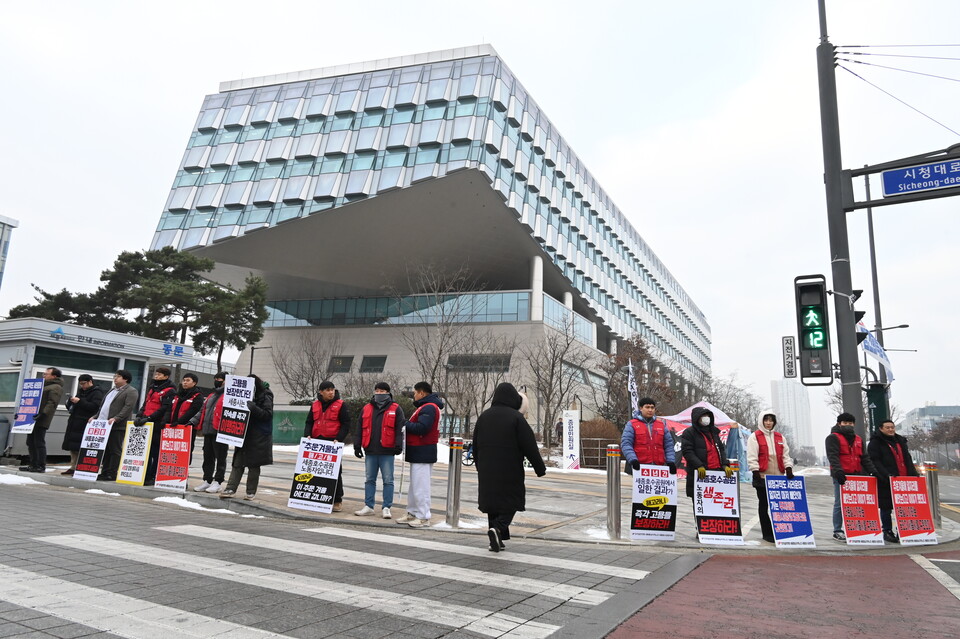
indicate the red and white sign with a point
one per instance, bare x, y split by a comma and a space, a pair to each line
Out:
92, 447
861, 513
174, 460
911, 507
716, 504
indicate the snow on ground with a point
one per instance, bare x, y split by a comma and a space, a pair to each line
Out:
17, 480
97, 491
813, 470
183, 503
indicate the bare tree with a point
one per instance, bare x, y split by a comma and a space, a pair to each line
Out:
360, 384
733, 398
301, 367
612, 399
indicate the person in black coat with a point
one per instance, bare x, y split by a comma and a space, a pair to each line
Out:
257, 449
891, 458
502, 438
702, 448
82, 406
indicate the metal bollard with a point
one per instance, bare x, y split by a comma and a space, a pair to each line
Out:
613, 491
933, 491
453, 482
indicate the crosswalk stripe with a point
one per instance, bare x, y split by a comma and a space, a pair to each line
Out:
946, 580
564, 592
493, 624
107, 611
568, 564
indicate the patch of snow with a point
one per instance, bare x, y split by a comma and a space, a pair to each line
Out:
97, 491
183, 503
17, 480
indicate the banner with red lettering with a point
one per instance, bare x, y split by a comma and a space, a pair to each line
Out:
654, 512
861, 513
716, 504
237, 391
315, 475
29, 406
92, 447
789, 511
911, 507
174, 460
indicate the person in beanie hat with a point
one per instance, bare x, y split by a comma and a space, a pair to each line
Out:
847, 456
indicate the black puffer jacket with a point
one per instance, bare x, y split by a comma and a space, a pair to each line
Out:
258, 443
881, 454
693, 446
87, 407
502, 438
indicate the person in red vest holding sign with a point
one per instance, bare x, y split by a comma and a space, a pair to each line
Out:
423, 433
214, 454
647, 440
702, 448
329, 419
891, 456
186, 405
379, 438
847, 456
767, 454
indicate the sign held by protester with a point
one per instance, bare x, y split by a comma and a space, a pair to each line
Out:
716, 505
654, 511
571, 439
92, 448
861, 513
28, 407
315, 475
173, 462
237, 391
911, 507
789, 511
136, 449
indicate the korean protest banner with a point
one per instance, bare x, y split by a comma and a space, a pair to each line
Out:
571, 439
861, 513
28, 407
654, 514
911, 507
789, 511
92, 447
315, 475
133, 459
716, 504
174, 459
236, 416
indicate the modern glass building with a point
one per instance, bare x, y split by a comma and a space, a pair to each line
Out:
333, 182
6, 230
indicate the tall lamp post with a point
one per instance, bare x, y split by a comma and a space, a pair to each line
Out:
253, 351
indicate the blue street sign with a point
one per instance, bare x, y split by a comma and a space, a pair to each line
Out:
923, 177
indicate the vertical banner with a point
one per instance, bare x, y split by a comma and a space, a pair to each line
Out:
315, 475
237, 391
174, 460
789, 512
911, 507
92, 447
571, 439
654, 514
133, 459
29, 406
716, 504
861, 513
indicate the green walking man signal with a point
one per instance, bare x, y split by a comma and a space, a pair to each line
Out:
813, 330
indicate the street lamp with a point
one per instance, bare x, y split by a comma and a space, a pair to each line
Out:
879, 330
253, 350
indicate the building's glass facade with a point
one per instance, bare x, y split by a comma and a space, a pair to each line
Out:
269, 150
6, 230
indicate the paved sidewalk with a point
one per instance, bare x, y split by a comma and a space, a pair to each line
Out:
561, 506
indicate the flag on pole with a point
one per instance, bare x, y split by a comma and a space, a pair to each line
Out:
872, 347
632, 387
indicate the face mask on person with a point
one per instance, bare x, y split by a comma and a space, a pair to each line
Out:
705, 420
381, 399
217, 383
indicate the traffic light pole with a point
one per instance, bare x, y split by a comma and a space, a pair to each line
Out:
837, 227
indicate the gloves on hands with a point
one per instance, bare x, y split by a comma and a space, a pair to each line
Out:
789, 473
702, 472
635, 464
757, 479
840, 476
358, 452
728, 471
139, 421
672, 468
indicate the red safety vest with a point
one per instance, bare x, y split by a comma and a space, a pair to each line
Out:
649, 449
178, 407
763, 455
326, 423
155, 399
850, 457
388, 427
430, 438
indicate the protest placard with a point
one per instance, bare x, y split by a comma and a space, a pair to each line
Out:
911, 507
133, 459
173, 463
315, 475
28, 407
789, 511
237, 391
654, 511
861, 514
716, 505
92, 448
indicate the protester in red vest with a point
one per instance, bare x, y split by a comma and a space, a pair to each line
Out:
847, 456
156, 405
702, 448
891, 456
329, 419
423, 433
767, 454
214, 453
379, 438
647, 440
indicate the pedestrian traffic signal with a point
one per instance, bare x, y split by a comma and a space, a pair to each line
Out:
813, 330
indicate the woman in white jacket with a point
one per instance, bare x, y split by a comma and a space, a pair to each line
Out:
767, 454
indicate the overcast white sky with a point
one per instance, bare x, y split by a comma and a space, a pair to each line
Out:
699, 118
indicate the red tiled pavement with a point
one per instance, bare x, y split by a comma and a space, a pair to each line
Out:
886, 597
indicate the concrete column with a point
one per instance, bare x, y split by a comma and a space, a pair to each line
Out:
568, 299
536, 289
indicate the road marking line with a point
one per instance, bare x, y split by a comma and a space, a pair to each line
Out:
536, 560
493, 624
564, 592
946, 580
111, 612
946, 561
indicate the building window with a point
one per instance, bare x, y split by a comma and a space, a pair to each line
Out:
341, 364
373, 363
495, 363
